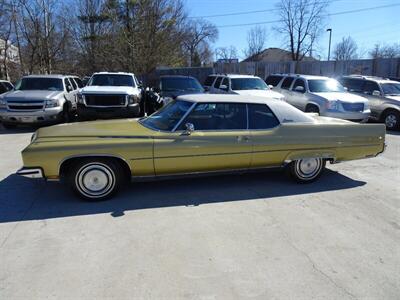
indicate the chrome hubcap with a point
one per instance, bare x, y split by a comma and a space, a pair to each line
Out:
390, 121
308, 168
95, 180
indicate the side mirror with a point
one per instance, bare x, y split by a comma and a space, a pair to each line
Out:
270, 86
376, 93
223, 87
189, 129
69, 88
299, 89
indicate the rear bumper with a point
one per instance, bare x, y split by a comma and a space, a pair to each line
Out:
31, 172
85, 112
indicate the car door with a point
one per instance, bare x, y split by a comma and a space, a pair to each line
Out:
299, 96
266, 141
375, 101
220, 141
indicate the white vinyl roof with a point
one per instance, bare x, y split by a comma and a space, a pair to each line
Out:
283, 111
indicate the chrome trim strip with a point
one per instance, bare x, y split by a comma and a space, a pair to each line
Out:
30, 172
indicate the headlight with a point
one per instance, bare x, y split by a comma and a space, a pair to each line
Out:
3, 103
80, 98
52, 103
333, 105
132, 99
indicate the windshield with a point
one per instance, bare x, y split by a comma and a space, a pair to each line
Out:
40, 84
180, 84
112, 80
248, 84
391, 89
168, 116
324, 86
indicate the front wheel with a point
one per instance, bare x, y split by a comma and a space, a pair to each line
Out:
95, 180
392, 120
306, 170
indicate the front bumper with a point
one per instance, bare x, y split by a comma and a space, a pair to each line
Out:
348, 115
30, 172
132, 110
31, 117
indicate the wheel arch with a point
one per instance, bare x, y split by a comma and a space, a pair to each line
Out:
387, 109
63, 166
297, 155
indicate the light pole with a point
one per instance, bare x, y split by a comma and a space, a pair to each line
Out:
330, 38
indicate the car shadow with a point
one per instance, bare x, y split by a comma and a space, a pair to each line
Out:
393, 132
22, 199
17, 130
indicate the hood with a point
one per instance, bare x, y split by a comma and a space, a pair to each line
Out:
32, 95
396, 98
95, 89
260, 93
106, 128
344, 97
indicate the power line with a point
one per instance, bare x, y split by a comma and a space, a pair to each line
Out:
327, 15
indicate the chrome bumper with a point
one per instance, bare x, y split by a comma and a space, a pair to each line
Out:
30, 172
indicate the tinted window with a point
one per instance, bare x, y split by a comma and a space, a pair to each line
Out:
225, 81
287, 82
68, 85
78, 82
324, 85
261, 117
369, 87
111, 80
73, 83
168, 116
3, 89
217, 116
37, 83
391, 89
248, 84
273, 80
180, 84
8, 86
209, 80
299, 82
353, 85
217, 82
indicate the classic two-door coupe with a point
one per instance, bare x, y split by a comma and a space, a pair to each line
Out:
196, 134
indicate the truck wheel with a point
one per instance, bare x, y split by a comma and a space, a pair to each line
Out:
312, 108
306, 170
392, 120
95, 179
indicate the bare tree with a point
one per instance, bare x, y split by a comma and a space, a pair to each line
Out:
346, 49
198, 32
385, 51
300, 23
226, 52
256, 38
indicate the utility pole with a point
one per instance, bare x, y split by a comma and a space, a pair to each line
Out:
330, 39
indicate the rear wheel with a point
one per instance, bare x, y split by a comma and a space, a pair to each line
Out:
95, 180
306, 170
392, 120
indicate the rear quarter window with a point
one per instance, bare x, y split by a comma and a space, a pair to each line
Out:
209, 80
273, 80
287, 83
261, 117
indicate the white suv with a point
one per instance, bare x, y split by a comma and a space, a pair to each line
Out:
109, 95
240, 84
323, 95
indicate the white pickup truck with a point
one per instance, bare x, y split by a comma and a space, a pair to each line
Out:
110, 94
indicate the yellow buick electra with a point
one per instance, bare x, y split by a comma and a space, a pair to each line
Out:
196, 134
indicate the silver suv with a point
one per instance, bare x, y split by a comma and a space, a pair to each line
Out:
323, 95
383, 96
39, 99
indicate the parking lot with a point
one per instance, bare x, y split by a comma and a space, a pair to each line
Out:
249, 236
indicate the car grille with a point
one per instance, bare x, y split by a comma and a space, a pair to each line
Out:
25, 105
105, 100
353, 106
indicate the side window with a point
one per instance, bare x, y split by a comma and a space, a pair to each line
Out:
209, 80
79, 82
261, 117
273, 80
217, 82
300, 85
3, 89
354, 85
68, 85
75, 86
287, 82
225, 81
369, 87
217, 116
